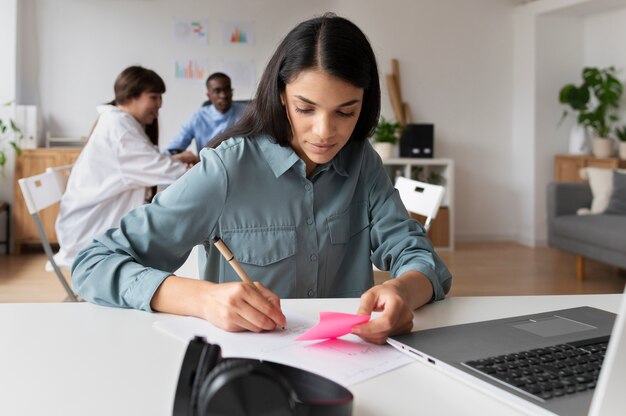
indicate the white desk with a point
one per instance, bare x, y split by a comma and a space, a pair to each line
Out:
82, 359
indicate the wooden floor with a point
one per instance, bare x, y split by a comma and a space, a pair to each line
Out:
478, 269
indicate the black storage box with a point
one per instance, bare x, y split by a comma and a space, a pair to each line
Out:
418, 141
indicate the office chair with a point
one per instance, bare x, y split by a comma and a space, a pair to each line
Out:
420, 198
41, 191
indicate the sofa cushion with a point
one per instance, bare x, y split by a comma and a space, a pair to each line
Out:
601, 183
608, 231
617, 203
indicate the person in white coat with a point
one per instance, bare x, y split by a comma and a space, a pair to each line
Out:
119, 164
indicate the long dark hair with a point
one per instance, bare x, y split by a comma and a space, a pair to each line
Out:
330, 43
131, 83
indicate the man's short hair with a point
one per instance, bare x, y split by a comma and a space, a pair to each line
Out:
216, 75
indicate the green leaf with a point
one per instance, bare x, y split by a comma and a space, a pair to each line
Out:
591, 76
16, 147
578, 98
386, 131
564, 93
14, 127
3, 158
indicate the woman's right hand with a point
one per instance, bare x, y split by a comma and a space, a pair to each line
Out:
237, 306
233, 306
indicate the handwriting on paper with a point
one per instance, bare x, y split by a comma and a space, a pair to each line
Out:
348, 360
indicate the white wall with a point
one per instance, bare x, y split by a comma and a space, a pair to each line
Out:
605, 39
8, 46
83, 45
605, 44
522, 133
553, 70
8, 86
456, 63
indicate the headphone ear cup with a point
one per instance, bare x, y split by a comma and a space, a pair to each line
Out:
242, 386
209, 359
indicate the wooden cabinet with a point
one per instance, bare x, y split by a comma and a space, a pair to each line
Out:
567, 167
32, 162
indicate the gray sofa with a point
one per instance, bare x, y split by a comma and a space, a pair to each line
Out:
598, 237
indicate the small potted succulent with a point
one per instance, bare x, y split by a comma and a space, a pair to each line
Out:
385, 137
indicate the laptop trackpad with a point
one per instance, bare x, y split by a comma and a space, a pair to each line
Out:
552, 326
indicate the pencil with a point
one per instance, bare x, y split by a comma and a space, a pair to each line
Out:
232, 261
230, 258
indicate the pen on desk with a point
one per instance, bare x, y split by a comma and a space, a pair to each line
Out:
230, 258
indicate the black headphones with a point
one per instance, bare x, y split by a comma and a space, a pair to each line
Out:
210, 385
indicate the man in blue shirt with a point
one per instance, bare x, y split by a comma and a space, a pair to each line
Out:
212, 119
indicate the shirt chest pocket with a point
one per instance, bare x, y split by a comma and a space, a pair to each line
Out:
266, 253
345, 225
261, 246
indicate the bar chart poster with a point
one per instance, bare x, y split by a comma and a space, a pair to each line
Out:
191, 69
238, 33
192, 31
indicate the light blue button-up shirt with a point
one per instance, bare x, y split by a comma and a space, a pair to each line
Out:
204, 125
301, 237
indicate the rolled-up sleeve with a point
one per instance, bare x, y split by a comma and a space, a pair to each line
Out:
125, 266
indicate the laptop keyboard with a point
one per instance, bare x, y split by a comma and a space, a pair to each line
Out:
551, 371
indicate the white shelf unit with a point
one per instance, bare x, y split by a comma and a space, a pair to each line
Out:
443, 167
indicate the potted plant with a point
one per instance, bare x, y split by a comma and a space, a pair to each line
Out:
10, 134
620, 132
386, 135
596, 101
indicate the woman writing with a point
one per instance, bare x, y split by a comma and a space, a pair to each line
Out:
119, 164
297, 194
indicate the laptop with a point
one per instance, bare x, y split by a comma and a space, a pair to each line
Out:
559, 362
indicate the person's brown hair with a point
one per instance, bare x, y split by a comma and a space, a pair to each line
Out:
131, 83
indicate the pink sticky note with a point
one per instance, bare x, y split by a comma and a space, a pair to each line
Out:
333, 325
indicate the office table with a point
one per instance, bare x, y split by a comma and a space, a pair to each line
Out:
83, 359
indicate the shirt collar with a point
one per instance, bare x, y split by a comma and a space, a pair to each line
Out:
280, 158
216, 114
340, 161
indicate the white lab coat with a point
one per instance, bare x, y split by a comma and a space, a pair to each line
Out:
108, 180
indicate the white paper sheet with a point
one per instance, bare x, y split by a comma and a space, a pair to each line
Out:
347, 360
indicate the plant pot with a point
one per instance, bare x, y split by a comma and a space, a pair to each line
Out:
578, 140
602, 147
622, 150
384, 149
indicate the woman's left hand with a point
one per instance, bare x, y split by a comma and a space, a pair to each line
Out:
396, 315
396, 299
